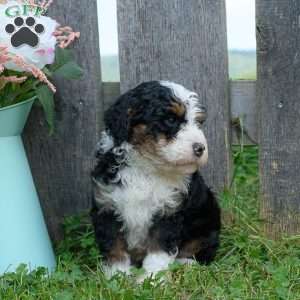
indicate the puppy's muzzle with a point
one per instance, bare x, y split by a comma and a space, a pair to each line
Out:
198, 149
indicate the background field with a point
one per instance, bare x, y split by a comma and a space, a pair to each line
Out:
242, 65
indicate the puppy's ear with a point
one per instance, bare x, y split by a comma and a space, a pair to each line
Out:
117, 119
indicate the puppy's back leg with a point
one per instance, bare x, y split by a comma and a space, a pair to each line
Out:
209, 247
202, 250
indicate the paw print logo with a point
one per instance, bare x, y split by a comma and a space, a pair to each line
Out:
24, 32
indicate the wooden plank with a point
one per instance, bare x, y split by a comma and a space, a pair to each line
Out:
186, 43
61, 163
244, 112
278, 31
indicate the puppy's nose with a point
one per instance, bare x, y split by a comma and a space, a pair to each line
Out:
198, 149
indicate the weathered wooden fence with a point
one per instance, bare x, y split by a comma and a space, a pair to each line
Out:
61, 163
278, 49
183, 41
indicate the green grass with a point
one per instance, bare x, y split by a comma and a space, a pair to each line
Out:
248, 265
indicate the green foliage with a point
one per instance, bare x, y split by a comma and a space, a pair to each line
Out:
14, 93
46, 99
63, 67
70, 70
248, 265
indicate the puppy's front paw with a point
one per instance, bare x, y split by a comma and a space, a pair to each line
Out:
156, 262
186, 261
117, 267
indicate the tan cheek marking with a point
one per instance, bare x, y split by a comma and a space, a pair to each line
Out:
142, 141
139, 134
150, 145
162, 141
147, 143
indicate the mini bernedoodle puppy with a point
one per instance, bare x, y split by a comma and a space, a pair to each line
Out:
151, 205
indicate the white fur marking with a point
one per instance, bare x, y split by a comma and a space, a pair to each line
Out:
106, 142
179, 91
120, 266
186, 261
156, 262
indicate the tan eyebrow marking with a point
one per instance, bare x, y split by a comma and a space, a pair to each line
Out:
178, 109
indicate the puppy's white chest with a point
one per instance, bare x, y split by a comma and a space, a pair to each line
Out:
141, 197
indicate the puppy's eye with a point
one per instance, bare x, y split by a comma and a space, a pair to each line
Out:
200, 122
201, 118
170, 121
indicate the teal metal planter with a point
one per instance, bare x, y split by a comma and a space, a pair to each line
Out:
23, 234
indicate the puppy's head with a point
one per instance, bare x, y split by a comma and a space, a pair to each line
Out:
162, 121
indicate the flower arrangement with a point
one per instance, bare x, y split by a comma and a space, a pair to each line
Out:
33, 51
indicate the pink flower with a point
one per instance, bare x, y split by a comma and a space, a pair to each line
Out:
47, 55
65, 36
36, 72
4, 57
11, 79
32, 59
41, 3
7, 58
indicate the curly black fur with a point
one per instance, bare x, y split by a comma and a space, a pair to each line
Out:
107, 228
108, 165
146, 104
